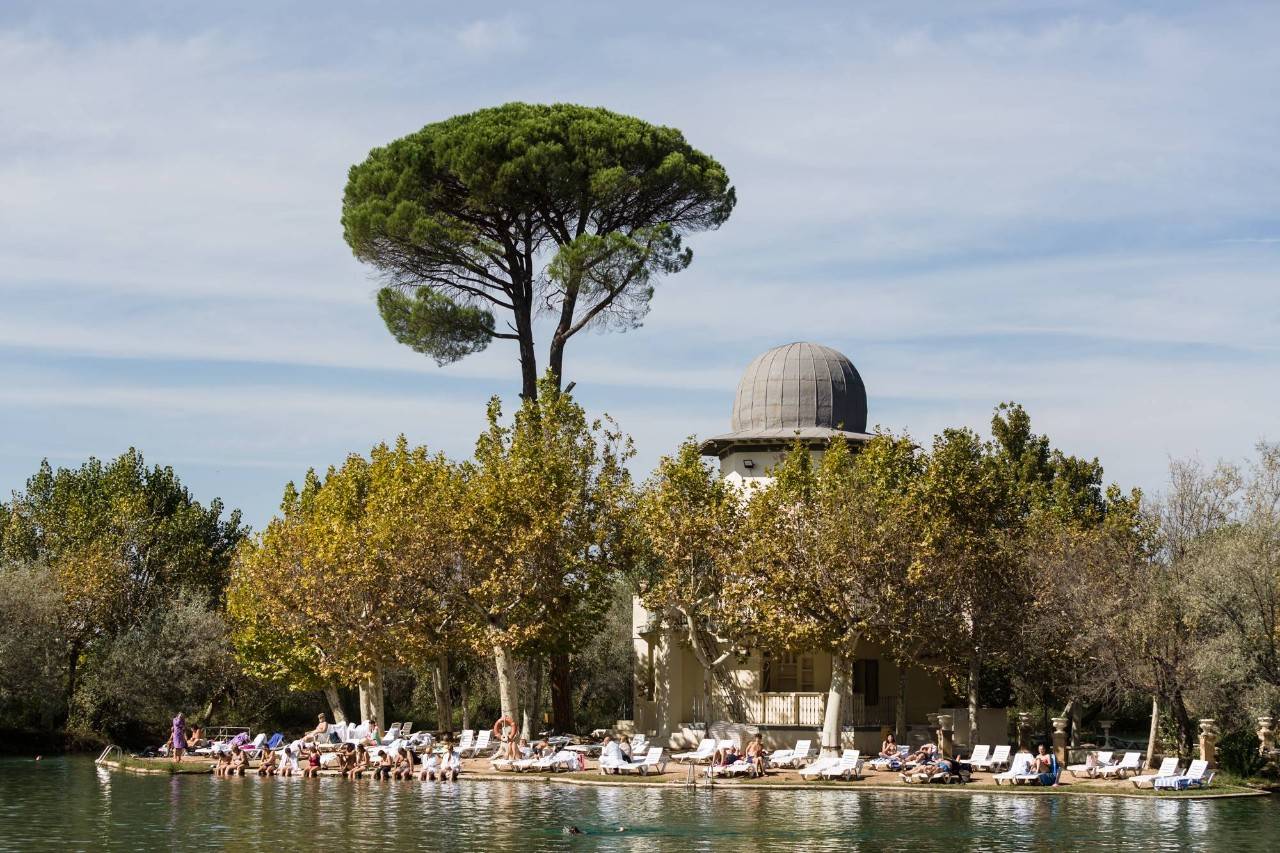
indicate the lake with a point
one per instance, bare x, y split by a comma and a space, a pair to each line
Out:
67, 803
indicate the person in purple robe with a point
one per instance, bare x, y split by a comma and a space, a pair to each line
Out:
178, 741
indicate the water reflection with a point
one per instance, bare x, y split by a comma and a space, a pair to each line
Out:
70, 804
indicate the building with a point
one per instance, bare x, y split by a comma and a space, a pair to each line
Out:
812, 393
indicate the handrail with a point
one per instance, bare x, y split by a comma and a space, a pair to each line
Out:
106, 753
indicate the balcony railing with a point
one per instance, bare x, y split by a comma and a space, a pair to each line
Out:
808, 709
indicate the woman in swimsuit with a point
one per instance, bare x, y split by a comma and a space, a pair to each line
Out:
313, 763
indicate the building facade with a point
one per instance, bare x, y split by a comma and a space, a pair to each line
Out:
811, 393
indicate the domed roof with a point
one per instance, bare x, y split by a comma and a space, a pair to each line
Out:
796, 391
800, 385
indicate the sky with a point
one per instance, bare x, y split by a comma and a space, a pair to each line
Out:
1073, 205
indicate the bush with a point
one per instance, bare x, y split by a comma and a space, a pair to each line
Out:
33, 652
1238, 754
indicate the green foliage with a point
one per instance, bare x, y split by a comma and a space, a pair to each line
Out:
524, 207
33, 659
435, 325
1238, 754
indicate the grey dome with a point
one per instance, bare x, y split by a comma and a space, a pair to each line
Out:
800, 386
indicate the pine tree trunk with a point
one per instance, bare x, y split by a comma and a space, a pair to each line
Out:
440, 684
336, 710
831, 727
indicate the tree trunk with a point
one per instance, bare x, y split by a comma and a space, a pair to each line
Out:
975, 673
440, 685
831, 721
1186, 728
712, 670
372, 705
528, 356
900, 713
561, 694
466, 705
1072, 713
73, 664
1155, 731
336, 710
507, 695
529, 722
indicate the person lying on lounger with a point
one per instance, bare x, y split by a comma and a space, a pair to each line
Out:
925, 772
923, 755
725, 757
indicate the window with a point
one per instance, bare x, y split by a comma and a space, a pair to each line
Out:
787, 672
866, 680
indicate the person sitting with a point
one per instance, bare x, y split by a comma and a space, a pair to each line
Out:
196, 739
755, 755
429, 767
404, 763
1045, 765
610, 755
288, 761
450, 764
320, 734
239, 761
223, 767
313, 763
889, 749
361, 762
383, 768
269, 764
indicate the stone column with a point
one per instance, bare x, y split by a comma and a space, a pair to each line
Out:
1024, 731
1266, 737
946, 741
1209, 742
1106, 731
1060, 739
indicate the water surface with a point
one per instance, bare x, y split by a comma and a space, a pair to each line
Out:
70, 804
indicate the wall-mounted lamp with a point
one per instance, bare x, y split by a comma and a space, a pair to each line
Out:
747, 463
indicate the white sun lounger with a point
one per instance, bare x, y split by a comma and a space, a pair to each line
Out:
1198, 775
980, 753
790, 757
652, 760
1104, 760
1021, 763
1168, 767
706, 748
997, 759
849, 766
820, 764
479, 745
1128, 766
890, 762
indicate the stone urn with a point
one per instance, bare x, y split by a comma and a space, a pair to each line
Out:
1209, 741
1060, 738
1106, 731
1266, 735
946, 742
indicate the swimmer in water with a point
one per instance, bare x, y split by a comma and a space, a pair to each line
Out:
571, 830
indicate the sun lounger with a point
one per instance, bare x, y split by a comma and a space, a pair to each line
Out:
980, 753
706, 748
482, 742
1019, 767
848, 766
1103, 759
890, 762
997, 759
1128, 766
1168, 767
822, 763
790, 757
1198, 775
652, 760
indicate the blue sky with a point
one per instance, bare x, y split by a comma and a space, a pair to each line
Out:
1072, 205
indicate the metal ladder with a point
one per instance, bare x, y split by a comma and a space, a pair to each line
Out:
106, 753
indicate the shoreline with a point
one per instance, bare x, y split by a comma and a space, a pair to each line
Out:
585, 779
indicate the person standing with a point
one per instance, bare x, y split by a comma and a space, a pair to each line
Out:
178, 740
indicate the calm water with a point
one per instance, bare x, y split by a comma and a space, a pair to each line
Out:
69, 804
